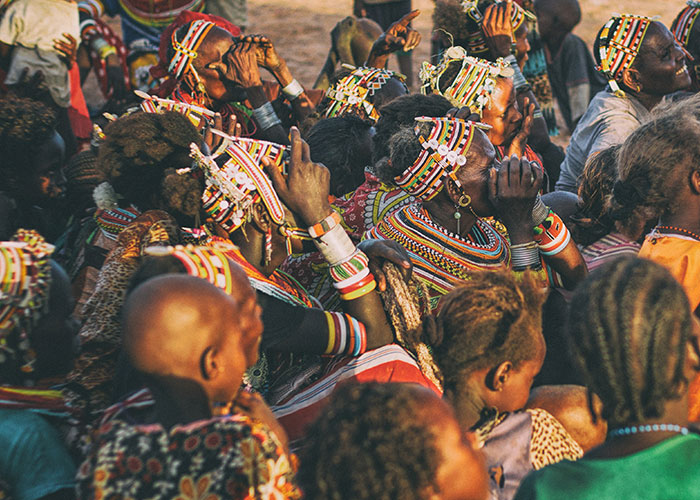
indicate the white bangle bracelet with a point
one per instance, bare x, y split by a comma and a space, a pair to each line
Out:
293, 90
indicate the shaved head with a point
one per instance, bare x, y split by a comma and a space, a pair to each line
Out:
171, 319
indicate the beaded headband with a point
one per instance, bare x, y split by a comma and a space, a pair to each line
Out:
619, 41
231, 189
444, 152
154, 104
476, 42
25, 281
186, 51
473, 84
683, 24
351, 93
209, 263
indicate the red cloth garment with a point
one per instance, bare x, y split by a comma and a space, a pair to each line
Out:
77, 111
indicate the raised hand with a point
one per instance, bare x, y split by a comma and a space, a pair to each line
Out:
306, 189
381, 251
399, 36
498, 28
67, 48
519, 142
242, 64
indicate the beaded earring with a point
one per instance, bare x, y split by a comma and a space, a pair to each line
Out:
268, 246
463, 202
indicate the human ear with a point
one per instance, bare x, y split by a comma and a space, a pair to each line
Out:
632, 79
208, 364
498, 377
454, 192
695, 182
261, 218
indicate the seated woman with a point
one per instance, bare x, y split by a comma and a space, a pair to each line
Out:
658, 178
487, 346
33, 153
684, 29
631, 302
37, 334
487, 89
184, 448
390, 441
449, 166
211, 68
601, 237
643, 63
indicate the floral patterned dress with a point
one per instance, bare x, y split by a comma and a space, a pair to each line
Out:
222, 458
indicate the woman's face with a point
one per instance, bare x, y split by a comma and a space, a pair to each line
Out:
502, 113
474, 175
211, 65
661, 62
522, 45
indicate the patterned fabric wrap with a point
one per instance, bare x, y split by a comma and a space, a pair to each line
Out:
619, 41
222, 458
473, 84
209, 263
154, 104
683, 24
186, 50
154, 13
353, 93
476, 42
444, 152
236, 186
25, 271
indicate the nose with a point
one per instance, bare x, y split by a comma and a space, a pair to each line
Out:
679, 53
527, 45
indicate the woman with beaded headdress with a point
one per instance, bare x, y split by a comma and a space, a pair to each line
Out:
36, 350
487, 89
685, 31
449, 165
642, 62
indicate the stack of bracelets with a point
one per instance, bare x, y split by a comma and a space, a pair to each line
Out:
346, 335
348, 266
550, 237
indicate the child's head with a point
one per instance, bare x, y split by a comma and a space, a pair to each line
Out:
390, 441
32, 151
557, 18
487, 340
657, 165
631, 336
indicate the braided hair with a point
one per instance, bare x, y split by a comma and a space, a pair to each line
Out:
372, 441
490, 319
140, 156
628, 326
656, 161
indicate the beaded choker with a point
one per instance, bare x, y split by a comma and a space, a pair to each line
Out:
444, 152
686, 232
352, 93
683, 24
619, 42
640, 429
473, 84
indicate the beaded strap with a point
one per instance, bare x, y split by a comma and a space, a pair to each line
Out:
186, 51
639, 429
154, 104
683, 24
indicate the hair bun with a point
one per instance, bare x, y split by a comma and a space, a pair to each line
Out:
626, 194
431, 332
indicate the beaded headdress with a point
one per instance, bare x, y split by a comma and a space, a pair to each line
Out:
25, 280
209, 263
683, 24
618, 45
476, 42
352, 93
154, 104
472, 85
443, 154
235, 186
186, 50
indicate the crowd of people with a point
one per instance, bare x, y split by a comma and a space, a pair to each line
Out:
385, 286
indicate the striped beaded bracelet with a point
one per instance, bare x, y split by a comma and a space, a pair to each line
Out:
318, 230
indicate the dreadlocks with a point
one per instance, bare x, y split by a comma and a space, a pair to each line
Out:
628, 327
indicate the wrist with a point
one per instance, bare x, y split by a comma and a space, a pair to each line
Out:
519, 232
282, 74
314, 216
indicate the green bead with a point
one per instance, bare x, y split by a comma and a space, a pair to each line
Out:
458, 215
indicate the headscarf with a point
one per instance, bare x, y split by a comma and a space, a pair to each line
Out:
618, 45
472, 85
444, 153
25, 271
352, 93
683, 24
476, 42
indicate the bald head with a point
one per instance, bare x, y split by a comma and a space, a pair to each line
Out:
556, 18
170, 320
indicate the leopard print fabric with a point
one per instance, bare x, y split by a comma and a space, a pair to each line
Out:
550, 442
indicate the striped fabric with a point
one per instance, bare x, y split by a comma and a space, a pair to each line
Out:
441, 259
186, 50
385, 364
610, 247
683, 24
